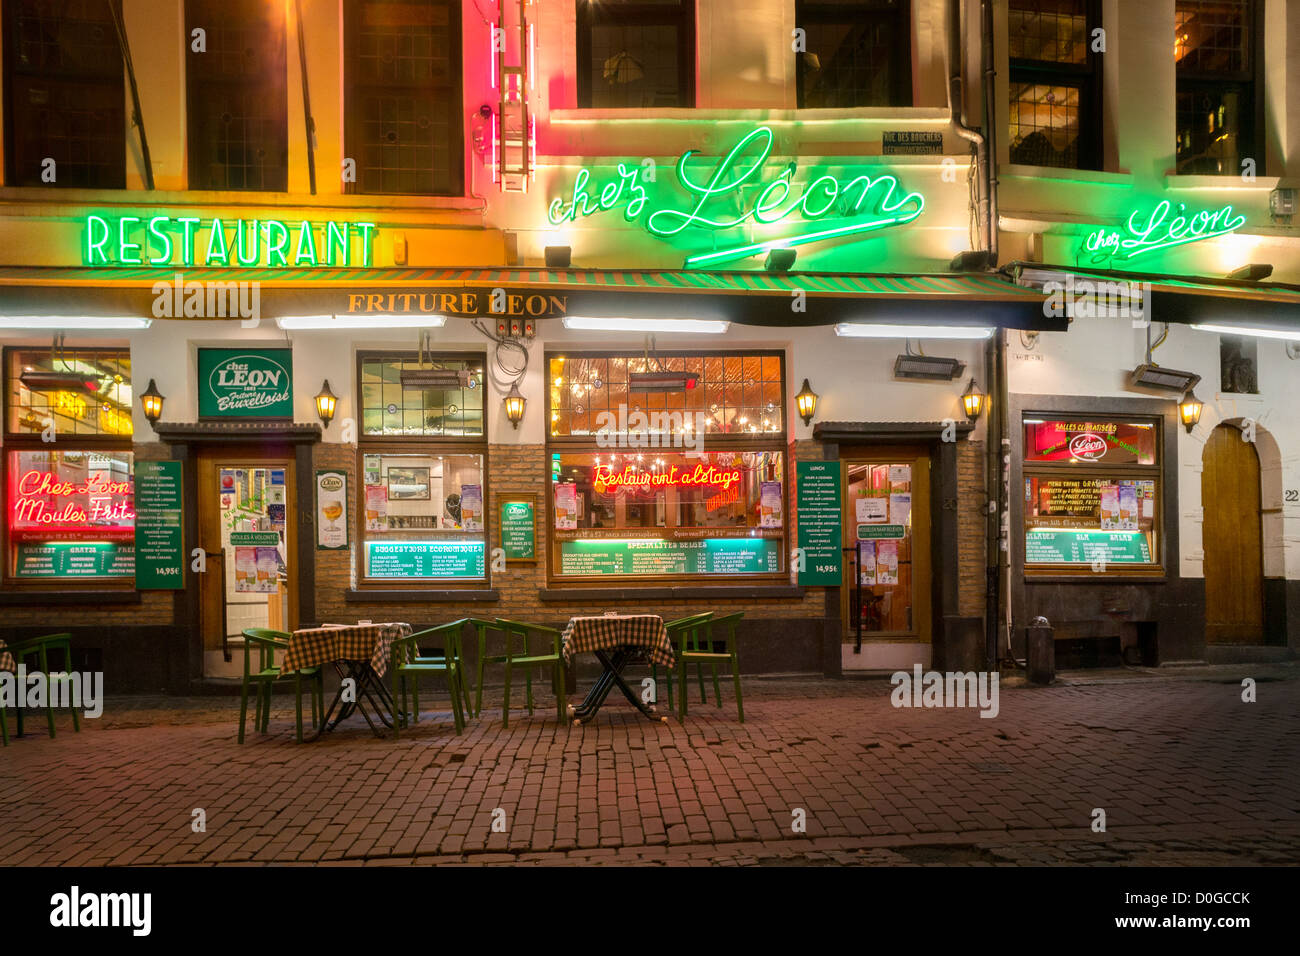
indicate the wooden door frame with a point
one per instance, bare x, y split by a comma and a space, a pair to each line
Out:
1259, 523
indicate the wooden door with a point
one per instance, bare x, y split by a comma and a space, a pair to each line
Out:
1234, 578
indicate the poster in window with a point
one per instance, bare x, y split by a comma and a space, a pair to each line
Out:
867, 563
769, 504
1110, 520
376, 508
471, 507
900, 509
872, 510
900, 473
331, 510
268, 570
245, 570
887, 562
566, 506
1148, 489
1128, 506
408, 484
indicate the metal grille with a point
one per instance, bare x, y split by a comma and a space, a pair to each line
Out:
1049, 31
1212, 36
1044, 124
238, 100
65, 89
633, 53
405, 91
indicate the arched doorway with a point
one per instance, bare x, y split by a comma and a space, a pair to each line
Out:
1232, 536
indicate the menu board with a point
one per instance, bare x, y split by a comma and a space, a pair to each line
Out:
658, 556
159, 541
1070, 546
68, 559
424, 559
819, 501
518, 529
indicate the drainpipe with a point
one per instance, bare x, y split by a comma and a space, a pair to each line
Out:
990, 126
956, 116
137, 117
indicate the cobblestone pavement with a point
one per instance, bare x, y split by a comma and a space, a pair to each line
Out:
1186, 773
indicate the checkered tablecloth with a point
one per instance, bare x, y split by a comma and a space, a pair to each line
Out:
6, 659
343, 642
624, 630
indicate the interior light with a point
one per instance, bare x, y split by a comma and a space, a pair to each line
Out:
584, 323
361, 321
1293, 336
59, 322
873, 331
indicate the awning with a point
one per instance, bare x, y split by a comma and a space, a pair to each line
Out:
747, 298
1188, 299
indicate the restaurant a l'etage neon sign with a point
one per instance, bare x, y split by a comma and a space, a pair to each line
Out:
1159, 230
866, 202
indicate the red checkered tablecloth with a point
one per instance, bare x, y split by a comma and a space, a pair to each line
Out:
622, 630
6, 659
343, 642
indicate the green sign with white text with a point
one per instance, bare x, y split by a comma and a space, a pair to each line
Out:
424, 559
658, 556
71, 559
518, 530
819, 502
159, 539
246, 383
1049, 546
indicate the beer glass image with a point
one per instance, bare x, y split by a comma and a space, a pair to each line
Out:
332, 511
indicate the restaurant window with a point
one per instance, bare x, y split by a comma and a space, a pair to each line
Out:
68, 467
403, 75
237, 96
854, 53
1216, 116
1092, 494
421, 458
1055, 83
64, 95
634, 54
667, 466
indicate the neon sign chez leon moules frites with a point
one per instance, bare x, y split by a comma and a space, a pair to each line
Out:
1160, 231
134, 241
866, 202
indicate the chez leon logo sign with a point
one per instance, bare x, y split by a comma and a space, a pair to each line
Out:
1087, 446
1163, 227
238, 383
736, 192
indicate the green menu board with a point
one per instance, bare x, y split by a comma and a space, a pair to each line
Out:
424, 559
1068, 546
518, 530
71, 559
656, 556
819, 503
159, 540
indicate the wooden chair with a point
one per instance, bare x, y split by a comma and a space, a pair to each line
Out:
527, 661
407, 662
698, 645
675, 630
268, 673
40, 648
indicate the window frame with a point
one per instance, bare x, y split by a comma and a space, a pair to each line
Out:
1089, 80
1121, 472
419, 444
351, 87
1251, 80
809, 11
639, 14
19, 442
587, 445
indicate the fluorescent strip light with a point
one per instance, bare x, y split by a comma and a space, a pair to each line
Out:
710, 326
863, 331
60, 322
1246, 330
361, 321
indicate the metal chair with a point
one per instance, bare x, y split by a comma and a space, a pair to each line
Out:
267, 674
407, 662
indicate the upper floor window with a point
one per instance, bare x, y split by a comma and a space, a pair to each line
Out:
236, 95
64, 95
402, 69
636, 53
1055, 83
1217, 117
855, 53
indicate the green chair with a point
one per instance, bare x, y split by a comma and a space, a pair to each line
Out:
698, 644
408, 663
267, 674
454, 645
524, 658
40, 648
675, 629
481, 628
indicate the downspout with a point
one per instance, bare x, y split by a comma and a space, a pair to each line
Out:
956, 115
137, 118
308, 119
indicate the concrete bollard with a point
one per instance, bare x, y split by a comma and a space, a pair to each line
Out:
1040, 650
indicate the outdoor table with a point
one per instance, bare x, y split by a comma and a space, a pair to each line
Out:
617, 640
356, 651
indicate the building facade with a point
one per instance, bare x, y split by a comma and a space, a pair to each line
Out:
469, 311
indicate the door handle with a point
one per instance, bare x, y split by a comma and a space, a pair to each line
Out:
219, 555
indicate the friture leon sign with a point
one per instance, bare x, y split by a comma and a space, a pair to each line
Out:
827, 207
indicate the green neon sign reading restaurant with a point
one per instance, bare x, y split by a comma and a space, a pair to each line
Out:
135, 241
861, 204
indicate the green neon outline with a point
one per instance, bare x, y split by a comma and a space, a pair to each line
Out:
1131, 248
743, 252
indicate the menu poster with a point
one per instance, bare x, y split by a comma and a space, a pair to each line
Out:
769, 503
268, 570
887, 561
372, 470
376, 507
566, 506
245, 570
867, 562
331, 510
1110, 520
900, 473
872, 510
1148, 489
900, 509
471, 507
1128, 506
